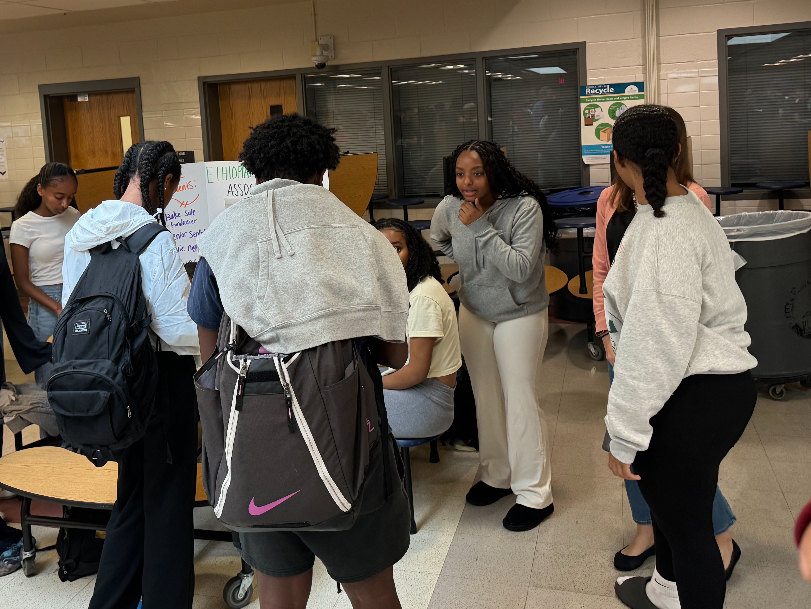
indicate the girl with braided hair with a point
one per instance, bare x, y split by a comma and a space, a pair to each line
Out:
615, 210
45, 212
419, 396
496, 225
682, 393
149, 549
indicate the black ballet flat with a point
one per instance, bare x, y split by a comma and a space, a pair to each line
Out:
624, 562
632, 593
736, 556
483, 494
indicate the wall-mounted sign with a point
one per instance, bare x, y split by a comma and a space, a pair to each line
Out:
600, 106
3, 160
185, 156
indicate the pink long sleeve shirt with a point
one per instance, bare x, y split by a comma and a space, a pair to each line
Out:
600, 261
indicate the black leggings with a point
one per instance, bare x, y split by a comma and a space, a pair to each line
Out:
692, 434
149, 550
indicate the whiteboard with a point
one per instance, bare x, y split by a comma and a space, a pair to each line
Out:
201, 197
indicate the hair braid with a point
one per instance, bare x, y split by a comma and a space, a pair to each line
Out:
505, 181
30, 199
648, 137
422, 261
150, 161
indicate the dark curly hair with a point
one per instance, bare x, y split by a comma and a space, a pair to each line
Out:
648, 136
422, 262
150, 160
289, 146
30, 199
505, 181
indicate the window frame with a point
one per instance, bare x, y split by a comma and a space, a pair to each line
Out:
723, 98
207, 87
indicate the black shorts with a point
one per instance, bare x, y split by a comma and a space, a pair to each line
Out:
378, 539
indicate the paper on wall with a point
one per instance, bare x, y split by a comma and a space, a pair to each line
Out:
3, 160
600, 106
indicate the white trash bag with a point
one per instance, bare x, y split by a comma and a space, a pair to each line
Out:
765, 225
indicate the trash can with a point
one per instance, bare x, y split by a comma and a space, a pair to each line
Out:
775, 279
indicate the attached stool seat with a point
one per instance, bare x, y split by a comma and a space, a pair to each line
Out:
372, 201
779, 188
720, 191
405, 204
405, 444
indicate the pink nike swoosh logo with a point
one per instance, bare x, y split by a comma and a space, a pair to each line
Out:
253, 510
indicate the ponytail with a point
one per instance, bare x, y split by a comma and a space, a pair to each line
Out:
648, 137
30, 199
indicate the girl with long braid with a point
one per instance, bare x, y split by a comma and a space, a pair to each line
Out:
419, 396
45, 212
149, 548
496, 225
682, 393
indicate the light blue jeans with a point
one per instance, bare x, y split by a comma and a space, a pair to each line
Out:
42, 321
722, 516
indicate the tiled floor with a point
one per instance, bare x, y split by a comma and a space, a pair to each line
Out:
462, 558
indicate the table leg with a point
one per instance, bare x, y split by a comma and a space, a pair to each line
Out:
581, 263
717, 205
405, 213
29, 552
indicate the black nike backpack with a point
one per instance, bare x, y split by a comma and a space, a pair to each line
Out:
102, 389
287, 439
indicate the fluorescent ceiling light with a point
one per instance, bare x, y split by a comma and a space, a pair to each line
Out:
547, 70
523, 57
756, 39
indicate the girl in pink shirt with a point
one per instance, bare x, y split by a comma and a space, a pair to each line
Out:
615, 211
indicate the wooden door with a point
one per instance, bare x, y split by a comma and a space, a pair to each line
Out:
244, 104
93, 128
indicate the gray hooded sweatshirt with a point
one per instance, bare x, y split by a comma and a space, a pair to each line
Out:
500, 257
297, 268
673, 309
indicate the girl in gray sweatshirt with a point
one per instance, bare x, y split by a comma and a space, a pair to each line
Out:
682, 394
495, 226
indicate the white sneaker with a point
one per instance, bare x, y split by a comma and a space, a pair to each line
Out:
4, 494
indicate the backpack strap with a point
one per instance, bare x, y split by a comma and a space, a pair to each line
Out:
138, 241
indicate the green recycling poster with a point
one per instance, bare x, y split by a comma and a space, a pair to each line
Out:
600, 106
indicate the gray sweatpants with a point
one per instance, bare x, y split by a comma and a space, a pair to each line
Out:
422, 411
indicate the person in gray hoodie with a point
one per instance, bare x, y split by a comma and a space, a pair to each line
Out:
682, 393
496, 225
296, 268
149, 549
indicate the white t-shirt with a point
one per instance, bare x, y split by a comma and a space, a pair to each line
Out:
431, 314
45, 240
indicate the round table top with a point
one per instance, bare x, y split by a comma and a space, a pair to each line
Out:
576, 197
723, 190
574, 286
555, 279
579, 222
57, 475
788, 185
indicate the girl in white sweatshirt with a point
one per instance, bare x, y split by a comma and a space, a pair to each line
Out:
682, 394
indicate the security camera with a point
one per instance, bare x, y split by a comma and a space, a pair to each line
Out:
323, 51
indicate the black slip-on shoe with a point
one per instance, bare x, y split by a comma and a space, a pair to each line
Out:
633, 594
523, 518
626, 562
484, 494
736, 556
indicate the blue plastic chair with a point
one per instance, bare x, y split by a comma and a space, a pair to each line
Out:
721, 191
405, 444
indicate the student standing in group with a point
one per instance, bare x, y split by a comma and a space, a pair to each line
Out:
496, 226
419, 396
292, 263
615, 210
45, 212
149, 548
682, 395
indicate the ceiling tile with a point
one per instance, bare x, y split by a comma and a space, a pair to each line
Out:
9, 10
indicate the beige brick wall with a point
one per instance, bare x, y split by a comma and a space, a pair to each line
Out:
169, 54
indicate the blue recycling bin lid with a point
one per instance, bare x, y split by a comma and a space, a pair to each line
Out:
576, 197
